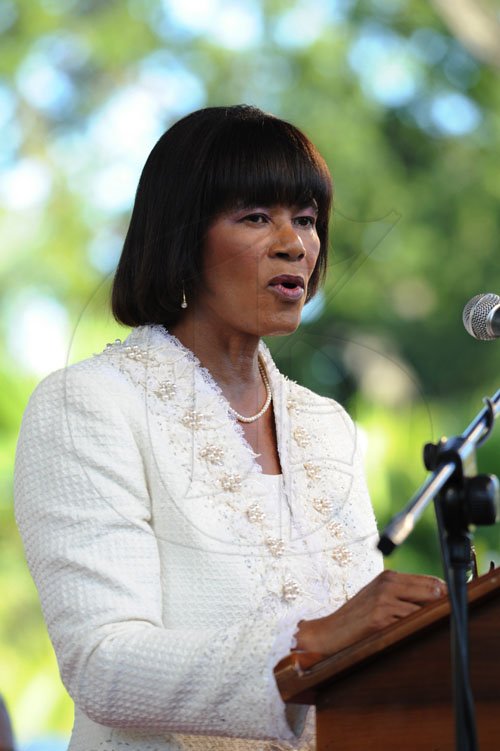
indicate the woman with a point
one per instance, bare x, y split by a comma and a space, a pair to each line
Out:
189, 515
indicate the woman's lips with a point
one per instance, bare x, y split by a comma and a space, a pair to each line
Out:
288, 293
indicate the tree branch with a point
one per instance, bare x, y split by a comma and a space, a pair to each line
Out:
477, 27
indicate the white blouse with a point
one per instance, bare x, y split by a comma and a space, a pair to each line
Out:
284, 524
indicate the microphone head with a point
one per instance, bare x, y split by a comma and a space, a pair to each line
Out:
476, 315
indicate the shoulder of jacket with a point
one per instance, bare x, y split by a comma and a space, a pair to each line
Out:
306, 396
322, 411
93, 377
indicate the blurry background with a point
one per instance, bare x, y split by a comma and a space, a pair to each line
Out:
403, 99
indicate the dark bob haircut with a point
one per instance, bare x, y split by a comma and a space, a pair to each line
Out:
211, 161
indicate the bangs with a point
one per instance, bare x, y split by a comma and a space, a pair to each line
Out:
265, 162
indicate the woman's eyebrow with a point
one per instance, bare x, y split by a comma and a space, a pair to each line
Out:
308, 205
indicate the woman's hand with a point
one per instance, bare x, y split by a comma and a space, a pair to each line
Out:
385, 600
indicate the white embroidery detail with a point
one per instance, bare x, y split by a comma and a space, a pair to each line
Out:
313, 471
290, 591
255, 513
341, 555
109, 345
322, 505
166, 390
276, 546
193, 419
213, 454
336, 529
302, 437
231, 482
135, 353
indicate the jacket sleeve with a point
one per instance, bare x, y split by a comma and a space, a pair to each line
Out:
83, 510
363, 545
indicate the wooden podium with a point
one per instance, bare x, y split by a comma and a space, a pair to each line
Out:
392, 691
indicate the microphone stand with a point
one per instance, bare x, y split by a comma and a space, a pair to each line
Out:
461, 498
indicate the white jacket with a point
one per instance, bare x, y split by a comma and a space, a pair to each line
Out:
168, 595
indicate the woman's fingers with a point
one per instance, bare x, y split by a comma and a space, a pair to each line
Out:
391, 596
396, 607
415, 588
384, 601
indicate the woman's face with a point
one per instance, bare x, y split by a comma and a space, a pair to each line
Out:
257, 265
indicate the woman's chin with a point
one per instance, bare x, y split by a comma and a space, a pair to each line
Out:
280, 327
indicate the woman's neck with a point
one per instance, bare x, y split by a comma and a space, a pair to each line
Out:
231, 357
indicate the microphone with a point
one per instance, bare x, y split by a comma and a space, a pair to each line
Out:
481, 316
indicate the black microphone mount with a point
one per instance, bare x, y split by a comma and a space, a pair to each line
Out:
462, 498
446, 457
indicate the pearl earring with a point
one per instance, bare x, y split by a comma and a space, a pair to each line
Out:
184, 301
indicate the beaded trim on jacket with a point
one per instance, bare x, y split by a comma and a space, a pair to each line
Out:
318, 474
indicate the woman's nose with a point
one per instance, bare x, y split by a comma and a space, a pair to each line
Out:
287, 243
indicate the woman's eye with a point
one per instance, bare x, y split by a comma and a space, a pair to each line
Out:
306, 221
255, 218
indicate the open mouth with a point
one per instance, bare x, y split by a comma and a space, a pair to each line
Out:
287, 287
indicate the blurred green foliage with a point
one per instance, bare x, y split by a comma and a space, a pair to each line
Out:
409, 123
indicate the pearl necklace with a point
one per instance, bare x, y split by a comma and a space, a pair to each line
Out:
267, 403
